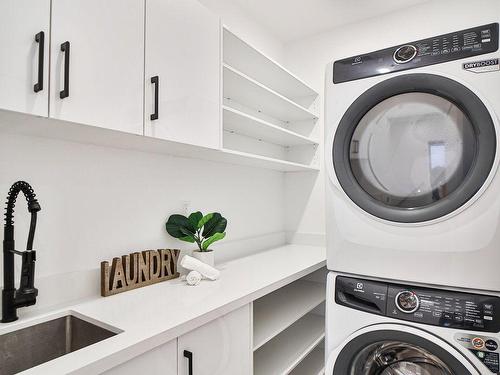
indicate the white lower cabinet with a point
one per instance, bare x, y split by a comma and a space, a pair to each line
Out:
221, 347
159, 361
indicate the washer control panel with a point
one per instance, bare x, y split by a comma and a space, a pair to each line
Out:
439, 49
439, 307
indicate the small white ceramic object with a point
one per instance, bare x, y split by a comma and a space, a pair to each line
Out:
193, 278
206, 257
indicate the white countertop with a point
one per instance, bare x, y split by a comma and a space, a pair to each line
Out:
158, 313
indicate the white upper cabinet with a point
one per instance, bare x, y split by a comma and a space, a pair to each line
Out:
24, 60
97, 63
221, 347
182, 72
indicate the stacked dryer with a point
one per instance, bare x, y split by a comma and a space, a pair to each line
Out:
413, 207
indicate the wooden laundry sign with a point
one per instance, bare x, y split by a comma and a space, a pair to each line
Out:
137, 270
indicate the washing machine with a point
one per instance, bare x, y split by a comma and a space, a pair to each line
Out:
378, 327
411, 158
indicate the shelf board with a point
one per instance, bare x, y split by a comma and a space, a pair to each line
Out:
22, 124
284, 352
279, 310
313, 364
250, 93
250, 126
257, 65
245, 158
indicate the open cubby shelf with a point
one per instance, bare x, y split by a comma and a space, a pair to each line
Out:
251, 126
242, 89
279, 310
255, 64
287, 350
267, 112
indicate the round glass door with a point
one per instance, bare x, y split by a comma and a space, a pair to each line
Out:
390, 352
412, 149
397, 358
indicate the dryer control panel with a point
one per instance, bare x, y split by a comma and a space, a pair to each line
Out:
439, 49
439, 307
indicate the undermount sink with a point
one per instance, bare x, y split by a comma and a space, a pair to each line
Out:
31, 346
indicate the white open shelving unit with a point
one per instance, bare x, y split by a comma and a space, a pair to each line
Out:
277, 311
268, 113
289, 330
287, 350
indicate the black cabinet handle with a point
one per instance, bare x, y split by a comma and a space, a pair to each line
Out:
189, 356
65, 92
155, 81
40, 39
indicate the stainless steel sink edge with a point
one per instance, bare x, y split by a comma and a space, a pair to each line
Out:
94, 321
28, 344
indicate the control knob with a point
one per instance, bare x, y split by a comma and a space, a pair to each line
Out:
407, 301
405, 54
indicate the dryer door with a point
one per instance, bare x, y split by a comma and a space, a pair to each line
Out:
414, 148
379, 351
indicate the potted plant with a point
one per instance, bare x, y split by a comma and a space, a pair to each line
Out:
199, 228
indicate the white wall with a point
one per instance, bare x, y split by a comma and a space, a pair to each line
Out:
308, 58
247, 28
99, 202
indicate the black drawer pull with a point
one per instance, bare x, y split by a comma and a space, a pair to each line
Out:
65, 92
40, 39
189, 356
155, 81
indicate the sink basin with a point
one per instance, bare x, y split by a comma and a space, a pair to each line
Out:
40, 343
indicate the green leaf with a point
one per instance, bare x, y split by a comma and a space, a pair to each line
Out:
217, 224
204, 220
216, 237
187, 239
179, 226
195, 219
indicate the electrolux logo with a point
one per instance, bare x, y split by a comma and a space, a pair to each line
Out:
359, 288
357, 60
482, 66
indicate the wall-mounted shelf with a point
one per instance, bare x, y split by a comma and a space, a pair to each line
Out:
251, 126
313, 364
16, 123
284, 352
255, 64
279, 310
267, 111
245, 158
246, 91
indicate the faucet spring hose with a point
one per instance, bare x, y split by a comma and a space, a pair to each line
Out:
33, 205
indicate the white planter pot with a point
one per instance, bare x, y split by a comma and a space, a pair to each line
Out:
206, 257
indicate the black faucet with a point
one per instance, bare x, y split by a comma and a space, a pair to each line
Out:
12, 299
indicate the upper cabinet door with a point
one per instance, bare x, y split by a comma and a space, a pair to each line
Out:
97, 64
182, 83
24, 60
221, 347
